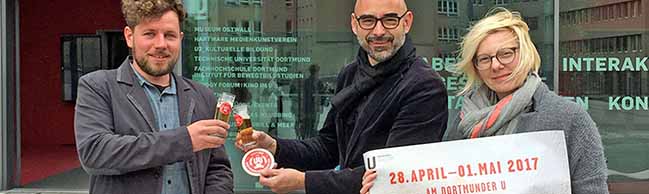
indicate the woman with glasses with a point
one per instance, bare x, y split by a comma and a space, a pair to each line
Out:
505, 95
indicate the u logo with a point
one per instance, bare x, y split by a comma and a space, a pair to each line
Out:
371, 163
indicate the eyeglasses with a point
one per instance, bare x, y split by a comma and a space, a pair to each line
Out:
368, 22
505, 56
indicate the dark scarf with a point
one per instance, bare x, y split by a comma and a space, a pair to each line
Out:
368, 77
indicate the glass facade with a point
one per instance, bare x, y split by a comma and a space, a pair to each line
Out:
603, 56
274, 55
282, 57
266, 51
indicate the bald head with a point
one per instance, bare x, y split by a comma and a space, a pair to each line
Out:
395, 5
384, 26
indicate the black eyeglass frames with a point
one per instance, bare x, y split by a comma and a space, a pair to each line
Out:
505, 56
368, 22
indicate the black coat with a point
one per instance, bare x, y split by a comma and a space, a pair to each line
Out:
409, 107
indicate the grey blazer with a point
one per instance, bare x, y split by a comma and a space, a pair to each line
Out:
585, 152
120, 147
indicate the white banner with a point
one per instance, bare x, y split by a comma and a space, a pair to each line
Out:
534, 163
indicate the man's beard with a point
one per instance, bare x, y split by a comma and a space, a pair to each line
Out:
143, 63
381, 53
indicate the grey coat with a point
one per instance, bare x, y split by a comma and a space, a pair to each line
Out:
585, 153
121, 149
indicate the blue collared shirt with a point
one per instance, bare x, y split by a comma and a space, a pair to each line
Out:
165, 108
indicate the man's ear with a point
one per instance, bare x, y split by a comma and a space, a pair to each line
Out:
407, 21
354, 25
128, 36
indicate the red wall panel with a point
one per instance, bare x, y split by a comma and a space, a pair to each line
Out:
45, 118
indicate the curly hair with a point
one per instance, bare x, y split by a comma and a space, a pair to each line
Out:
137, 10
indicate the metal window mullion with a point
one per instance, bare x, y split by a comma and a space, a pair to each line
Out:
556, 46
3, 134
9, 153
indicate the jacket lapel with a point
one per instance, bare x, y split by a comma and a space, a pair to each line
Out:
135, 94
377, 100
186, 103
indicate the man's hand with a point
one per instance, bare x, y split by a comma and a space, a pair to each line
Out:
368, 181
262, 140
282, 180
207, 134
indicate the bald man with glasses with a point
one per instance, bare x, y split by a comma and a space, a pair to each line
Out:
387, 97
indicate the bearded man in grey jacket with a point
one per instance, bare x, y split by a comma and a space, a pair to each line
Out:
142, 129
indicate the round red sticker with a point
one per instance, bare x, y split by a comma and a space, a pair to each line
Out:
225, 108
256, 160
238, 119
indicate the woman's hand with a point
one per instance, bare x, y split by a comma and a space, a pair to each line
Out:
368, 181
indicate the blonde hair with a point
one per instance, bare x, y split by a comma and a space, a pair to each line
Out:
498, 19
137, 10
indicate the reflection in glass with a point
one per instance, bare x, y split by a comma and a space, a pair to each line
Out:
603, 68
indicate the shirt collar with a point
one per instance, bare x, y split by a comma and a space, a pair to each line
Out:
169, 90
